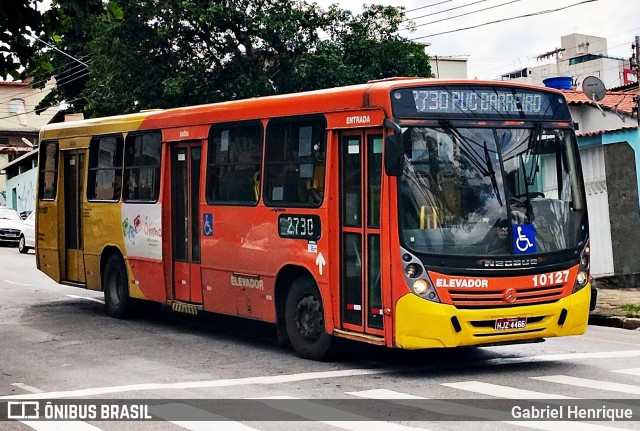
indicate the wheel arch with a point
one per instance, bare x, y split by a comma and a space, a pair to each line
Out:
107, 252
284, 279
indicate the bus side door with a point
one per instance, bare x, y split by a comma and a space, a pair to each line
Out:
360, 192
73, 259
185, 221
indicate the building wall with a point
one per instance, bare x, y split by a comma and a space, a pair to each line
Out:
448, 67
577, 44
609, 70
31, 97
624, 207
595, 182
21, 189
590, 119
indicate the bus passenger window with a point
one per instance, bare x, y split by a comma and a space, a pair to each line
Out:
235, 153
48, 170
295, 162
142, 167
105, 168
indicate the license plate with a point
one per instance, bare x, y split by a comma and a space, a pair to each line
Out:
511, 323
12, 235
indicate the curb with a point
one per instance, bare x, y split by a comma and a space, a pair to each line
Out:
614, 321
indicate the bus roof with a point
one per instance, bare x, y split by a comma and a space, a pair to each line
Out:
354, 97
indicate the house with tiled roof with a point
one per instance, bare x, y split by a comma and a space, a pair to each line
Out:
19, 128
609, 140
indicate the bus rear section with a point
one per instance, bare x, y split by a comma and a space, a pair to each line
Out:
492, 225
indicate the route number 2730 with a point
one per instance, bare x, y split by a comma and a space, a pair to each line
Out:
551, 278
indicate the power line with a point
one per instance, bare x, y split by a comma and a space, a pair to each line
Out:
44, 81
427, 6
446, 10
466, 14
505, 19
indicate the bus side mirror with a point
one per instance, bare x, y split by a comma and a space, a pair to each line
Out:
393, 155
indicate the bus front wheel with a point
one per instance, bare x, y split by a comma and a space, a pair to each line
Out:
304, 319
116, 288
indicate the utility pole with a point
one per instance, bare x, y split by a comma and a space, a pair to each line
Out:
635, 65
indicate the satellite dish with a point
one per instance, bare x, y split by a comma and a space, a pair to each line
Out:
593, 88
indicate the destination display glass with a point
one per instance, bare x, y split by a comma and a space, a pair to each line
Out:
479, 102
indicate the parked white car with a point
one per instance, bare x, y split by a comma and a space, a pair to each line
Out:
11, 225
28, 237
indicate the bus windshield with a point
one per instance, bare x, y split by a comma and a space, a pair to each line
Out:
473, 191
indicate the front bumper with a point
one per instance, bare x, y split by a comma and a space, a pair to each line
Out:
422, 324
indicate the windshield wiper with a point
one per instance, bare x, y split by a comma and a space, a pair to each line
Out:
474, 158
491, 173
527, 199
533, 151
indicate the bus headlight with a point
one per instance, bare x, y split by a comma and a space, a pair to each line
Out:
583, 274
417, 278
412, 271
582, 278
420, 287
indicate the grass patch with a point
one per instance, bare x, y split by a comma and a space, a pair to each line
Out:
631, 310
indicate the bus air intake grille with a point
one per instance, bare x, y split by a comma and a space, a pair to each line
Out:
496, 298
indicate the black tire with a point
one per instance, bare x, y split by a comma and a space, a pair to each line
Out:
304, 320
115, 284
22, 247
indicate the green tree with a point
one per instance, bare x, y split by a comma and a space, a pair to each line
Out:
64, 54
164, 53
20, 24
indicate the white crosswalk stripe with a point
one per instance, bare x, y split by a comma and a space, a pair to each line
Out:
61, 426
208, 421
632, 371
503, 391
592, 384
452, 408
318, 412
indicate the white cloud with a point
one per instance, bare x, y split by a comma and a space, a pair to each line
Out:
502, 47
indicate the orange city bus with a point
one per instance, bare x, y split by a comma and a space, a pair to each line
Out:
409, 213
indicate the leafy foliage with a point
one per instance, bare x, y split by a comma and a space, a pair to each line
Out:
631, 310
20, 22
147, 54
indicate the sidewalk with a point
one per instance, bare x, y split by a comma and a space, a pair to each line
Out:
608, 310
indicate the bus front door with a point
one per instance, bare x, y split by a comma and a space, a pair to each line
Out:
360, 186
185, 221
73, 195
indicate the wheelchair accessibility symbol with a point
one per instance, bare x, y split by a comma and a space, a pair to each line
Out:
207, 225
524, 239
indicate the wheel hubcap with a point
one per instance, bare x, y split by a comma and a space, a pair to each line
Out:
309, 318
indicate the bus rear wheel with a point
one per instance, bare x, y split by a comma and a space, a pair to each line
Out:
304, 319
115, 284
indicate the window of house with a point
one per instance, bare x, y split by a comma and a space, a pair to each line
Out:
105, 168
295, 162
16, 106
142, 167
47, 182
234, 166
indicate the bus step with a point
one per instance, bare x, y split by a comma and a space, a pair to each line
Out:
183, 307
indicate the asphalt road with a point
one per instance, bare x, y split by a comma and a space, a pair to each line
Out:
56, 342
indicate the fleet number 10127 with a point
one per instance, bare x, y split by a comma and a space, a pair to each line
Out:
551, 278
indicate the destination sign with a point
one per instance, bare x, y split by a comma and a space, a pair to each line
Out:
490, 102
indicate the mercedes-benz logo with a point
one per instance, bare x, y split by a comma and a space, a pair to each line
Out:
510, 295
